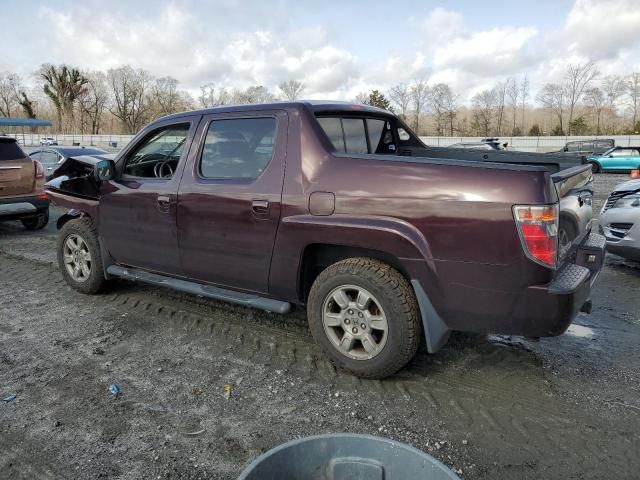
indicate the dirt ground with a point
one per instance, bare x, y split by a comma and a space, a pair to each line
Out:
488, 407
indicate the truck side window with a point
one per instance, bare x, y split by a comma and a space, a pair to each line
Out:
332, 126
380, 136
157, 155
238, 148
355, 139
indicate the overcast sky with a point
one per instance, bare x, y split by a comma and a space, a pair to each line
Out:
337, 48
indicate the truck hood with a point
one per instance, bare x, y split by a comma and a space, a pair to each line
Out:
75, 176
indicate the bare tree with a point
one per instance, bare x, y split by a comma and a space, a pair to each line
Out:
633, 91
577, 78
443, 104
131, 99
484, 106
596, 101
401, 96
553, 97
28, 106
613, 87
10, 87
419, 97
524, 94
513, 92
292, 89
63, 85
253, 94
362, 98
93, 101
210, 97
501, 94
166, 97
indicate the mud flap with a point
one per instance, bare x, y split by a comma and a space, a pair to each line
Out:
436, 331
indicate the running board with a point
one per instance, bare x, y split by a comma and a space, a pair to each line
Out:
245, 299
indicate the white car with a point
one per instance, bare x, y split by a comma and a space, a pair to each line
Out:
620, 219
46, 141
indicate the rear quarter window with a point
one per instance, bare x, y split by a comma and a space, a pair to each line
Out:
10, 150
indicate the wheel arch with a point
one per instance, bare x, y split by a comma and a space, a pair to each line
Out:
70, 215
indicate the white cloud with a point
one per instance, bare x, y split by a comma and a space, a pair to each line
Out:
233, 50
601, 29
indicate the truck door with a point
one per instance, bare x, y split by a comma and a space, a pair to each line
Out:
229, 199
137, 211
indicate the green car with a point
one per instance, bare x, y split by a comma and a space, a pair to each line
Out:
617, 159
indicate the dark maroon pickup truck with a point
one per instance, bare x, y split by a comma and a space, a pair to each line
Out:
341, 208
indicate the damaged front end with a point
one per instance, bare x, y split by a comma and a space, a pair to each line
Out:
76, 187
76, 177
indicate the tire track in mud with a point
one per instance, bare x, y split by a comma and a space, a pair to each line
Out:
283, 342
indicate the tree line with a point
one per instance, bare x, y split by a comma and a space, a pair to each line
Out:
123, 99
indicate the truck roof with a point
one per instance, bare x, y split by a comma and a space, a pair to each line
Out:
313, 105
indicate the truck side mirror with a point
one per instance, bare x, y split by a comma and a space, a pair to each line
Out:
105, 170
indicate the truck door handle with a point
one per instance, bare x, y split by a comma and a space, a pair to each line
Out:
164, 201
260, 207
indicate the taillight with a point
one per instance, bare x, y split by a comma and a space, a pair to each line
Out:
635, 173
39, 169
538, 229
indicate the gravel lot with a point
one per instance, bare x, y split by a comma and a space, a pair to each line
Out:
489, 407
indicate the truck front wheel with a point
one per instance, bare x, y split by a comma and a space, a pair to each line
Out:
364, 315
79, 256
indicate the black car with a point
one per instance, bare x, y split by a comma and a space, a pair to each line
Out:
51, 156
589, 147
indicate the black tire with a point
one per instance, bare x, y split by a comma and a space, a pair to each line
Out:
83, 228
595, 167
36, 223
397, 300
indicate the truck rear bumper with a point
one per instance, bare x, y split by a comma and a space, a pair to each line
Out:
548, 310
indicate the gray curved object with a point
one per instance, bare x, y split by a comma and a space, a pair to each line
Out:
343, 456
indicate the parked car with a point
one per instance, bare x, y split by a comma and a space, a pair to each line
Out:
620, 219
51, 157
618, 159
337, 207
45, 141
589, 147
22, 195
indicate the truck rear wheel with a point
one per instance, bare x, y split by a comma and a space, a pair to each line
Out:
364, 315
79, 256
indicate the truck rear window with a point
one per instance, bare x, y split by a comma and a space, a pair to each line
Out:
358, 135
10, 150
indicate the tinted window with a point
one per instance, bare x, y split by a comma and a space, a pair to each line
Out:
238, 148
602, 144
380, 136
333, 128
354, 136
573, 146
624, 152
158, 154
10, 150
